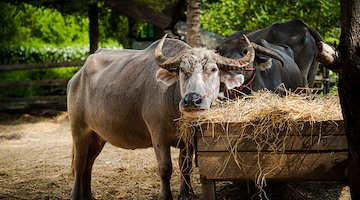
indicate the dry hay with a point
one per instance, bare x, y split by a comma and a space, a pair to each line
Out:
272, 118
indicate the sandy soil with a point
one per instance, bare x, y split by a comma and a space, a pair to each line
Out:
35, 162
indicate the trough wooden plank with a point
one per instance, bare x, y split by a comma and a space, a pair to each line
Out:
307, 128
335, 142
277, 166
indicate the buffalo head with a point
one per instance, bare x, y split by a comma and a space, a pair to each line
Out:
199, 72
237, 48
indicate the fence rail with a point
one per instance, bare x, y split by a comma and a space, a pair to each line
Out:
36, 100
28, 66
50, 82
59, 101
42, 102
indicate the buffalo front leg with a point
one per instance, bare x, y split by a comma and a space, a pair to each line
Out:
163, 156
185, 164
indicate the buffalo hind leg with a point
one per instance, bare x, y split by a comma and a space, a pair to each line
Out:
165, 170
86, 150
185, 164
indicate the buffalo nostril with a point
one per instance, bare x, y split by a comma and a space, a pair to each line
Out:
185, 102
197, 102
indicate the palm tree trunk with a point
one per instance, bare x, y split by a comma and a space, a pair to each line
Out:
193, 35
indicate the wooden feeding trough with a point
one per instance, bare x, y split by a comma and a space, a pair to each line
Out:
311, 151
263, 136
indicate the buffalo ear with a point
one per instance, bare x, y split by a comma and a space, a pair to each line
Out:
167, 77
231, 80
263, 66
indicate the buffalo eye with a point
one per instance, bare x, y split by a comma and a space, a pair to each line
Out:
214, 69
245, 52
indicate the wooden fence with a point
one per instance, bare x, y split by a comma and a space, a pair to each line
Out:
38, 102
59, 101
324, 82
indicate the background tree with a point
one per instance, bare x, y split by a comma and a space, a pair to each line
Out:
229, 16
348, 68
193, 35
93, 13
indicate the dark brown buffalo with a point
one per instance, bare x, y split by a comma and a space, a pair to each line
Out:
274, 73
301, 38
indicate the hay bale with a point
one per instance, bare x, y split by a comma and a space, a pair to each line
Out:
267, 110
265, 104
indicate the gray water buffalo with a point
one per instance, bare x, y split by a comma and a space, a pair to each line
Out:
297, 35
130, 99
267, 71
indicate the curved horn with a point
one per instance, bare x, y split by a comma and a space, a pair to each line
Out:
268, 52
162, 61
232, 64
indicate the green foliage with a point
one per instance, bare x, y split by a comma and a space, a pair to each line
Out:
49, 53
30, 26
229, 16
31, 29
35, 35
333, 88
115, 27
31, 34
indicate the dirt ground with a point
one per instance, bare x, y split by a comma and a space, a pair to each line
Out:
35, 151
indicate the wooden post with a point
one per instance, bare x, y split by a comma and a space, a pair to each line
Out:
208, 188
326, 80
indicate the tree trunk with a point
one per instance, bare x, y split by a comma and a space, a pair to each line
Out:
193, 35
93, 26
349, 87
